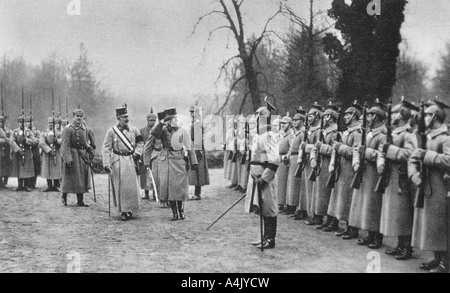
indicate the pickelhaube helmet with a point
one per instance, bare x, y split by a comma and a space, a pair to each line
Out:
356, 109
378, 109
332, 110
151, 114
437, 109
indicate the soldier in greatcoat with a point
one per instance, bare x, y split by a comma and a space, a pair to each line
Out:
296, 191
36, 152
50, 143
314, 119
397, 212
341, 195
174, 162
365, 211
321, 192
199, 177
430, 229
146, 183
283, 168
22, 159
264, 165
122, 148
75, 152
5, 152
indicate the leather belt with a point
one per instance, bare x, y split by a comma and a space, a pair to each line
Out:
123, 154
294, 154
264, 164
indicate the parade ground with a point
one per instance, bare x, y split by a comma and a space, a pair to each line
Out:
39, 234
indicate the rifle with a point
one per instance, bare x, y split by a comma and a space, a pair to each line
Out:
334, 176
22, 128
383, 179
59, 115
53, 145
1, 94
301, 166
420, 194
357, 178
316, 171
246, 135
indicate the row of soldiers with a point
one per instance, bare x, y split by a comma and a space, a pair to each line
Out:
27, 153
329, 176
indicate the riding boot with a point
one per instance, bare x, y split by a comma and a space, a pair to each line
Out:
173, 206
180, 209
367, 240
442, 268
49, 185
433, 263
269, 243
290, 210
64, 198
314, 221
146, 194
56, 185
377, 242
80, 201
265, 230
406, 249
325, 224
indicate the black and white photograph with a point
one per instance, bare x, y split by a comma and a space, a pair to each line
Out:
214, 138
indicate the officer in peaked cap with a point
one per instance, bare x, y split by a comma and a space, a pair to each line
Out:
431, 222
122, 150
75, 151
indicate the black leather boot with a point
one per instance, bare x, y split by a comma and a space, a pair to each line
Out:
333, 226
300, 215
173, 206
377, 242
56, 185
64, 198
397, 250
314, 221
433, 263
290, 210
180, 209
326, 223
352, 233
266, 227
269, 243
80, 201
367, 240
442, 268
406, 249
49, 186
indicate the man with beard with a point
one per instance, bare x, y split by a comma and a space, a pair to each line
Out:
341, 196
122, 147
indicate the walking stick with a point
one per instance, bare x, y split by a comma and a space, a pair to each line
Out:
260, 215
109, 195
93, 182
154, 184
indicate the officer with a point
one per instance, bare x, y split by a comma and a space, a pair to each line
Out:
75, 152
365, 212
50, 143
341, 195
264, 165
36, 152
146, 183
397, 212
174, 162
283, 169
430, 222
122, 148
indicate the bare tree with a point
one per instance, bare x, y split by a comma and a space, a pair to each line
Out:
231, 12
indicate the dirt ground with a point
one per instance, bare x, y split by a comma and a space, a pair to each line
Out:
39, 234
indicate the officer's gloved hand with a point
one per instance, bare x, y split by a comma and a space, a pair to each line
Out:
262, 183
69, 165
108, 169
416, 179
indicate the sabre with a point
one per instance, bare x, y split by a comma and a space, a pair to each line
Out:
91, 165
22, 145
223, 214
260, 215
154, 185
54, 131
109, 195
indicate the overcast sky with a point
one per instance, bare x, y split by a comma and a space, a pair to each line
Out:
142, 47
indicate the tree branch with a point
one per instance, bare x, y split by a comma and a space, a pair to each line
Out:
229, 93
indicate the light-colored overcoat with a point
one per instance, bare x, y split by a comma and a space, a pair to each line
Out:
50, 164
